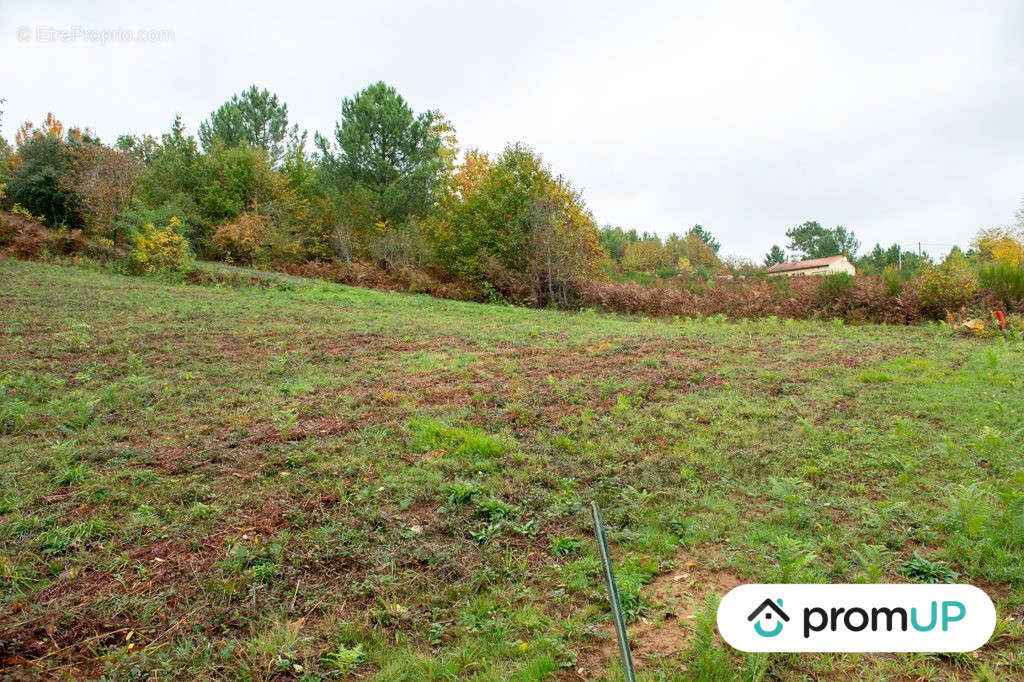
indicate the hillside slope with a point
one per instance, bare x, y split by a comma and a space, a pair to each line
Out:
312, 480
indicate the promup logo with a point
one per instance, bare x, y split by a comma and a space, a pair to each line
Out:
925, 618
767, 610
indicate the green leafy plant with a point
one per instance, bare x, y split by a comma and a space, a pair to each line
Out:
345, 659
1004, 279
566, 546
835, 285
872, 560
493, 509
927, 571
463, 492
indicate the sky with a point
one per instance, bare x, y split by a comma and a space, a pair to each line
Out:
901, 121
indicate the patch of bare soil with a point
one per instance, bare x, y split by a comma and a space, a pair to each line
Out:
675, 599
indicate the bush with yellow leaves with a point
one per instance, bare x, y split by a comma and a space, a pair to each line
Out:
948, 287
158, 250
1001, 244
244, 239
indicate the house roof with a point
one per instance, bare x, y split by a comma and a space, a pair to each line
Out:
766, 604
806, 264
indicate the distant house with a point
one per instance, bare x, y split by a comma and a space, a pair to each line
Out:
815, 266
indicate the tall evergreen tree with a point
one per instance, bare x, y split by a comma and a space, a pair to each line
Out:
254, 117
386, 157
705, 236
774, 256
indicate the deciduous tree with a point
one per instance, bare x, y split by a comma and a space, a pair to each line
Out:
1001, 244
811, 240
615, 240
645, 255
102, 181
37, 168
520, 228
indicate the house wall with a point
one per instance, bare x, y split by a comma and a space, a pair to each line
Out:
842, 266
830, 269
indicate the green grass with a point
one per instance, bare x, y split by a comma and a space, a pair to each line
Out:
322, 481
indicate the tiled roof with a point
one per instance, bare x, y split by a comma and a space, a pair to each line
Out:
805, 264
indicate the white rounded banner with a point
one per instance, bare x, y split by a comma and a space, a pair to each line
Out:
878, 618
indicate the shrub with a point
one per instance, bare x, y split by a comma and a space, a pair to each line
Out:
521, 228
244, 239
948, 287
37, 169
644, 256
927, 571
834, 286
158, 250
181, 206
23, 234
894, 279
102, 181
1005, 280
566, 546
1000, 244
403, 245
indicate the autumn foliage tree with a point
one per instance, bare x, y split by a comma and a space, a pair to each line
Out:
103, 181
645, 255
41, 160
518, 228
1000, 244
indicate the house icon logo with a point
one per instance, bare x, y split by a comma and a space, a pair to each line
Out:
767, 612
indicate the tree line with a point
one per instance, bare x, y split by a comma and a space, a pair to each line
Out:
389, 187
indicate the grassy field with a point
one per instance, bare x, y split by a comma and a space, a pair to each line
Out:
318, 481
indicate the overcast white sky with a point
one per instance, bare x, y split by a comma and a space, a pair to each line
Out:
903, 121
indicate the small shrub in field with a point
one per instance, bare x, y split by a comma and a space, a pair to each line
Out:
15, 417
481, 445
67, 539
566, 546
796, 560
71, 476
158, 250
345, 659
470, 442
461, 492
986, 524
1005, 280
926, 571
493, 509
631, 578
